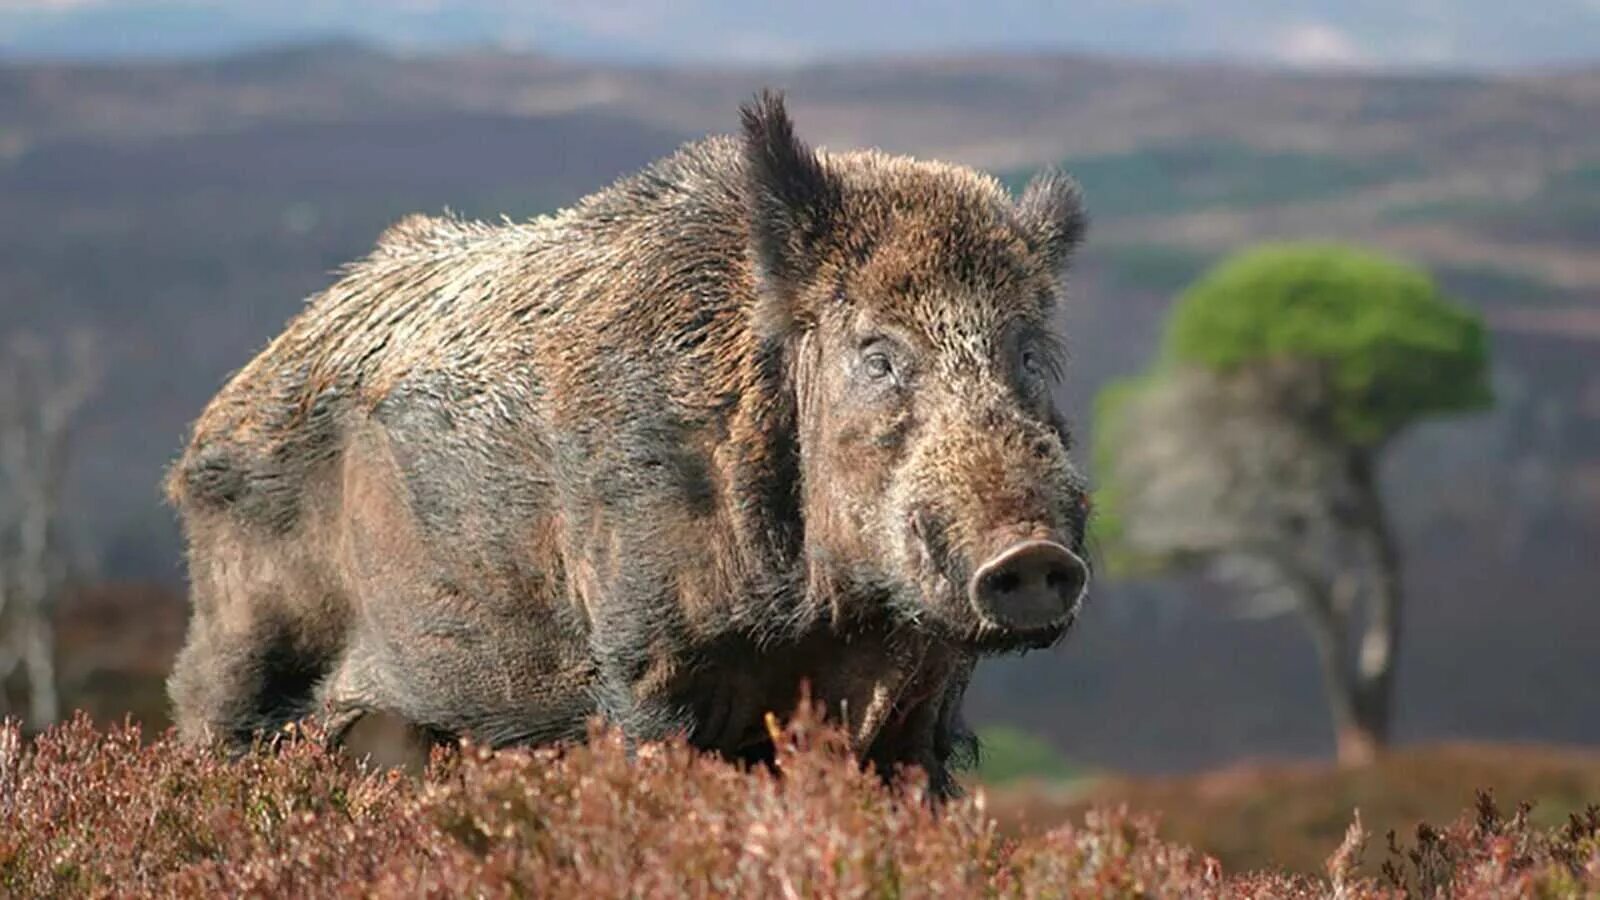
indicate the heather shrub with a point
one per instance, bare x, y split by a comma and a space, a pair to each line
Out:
85, 812
1287, 815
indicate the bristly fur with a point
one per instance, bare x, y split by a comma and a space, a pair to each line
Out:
1051, 207
793, 200
498, 478
792, 205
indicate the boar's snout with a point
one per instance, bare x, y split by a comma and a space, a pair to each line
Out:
993, 523
1030, 585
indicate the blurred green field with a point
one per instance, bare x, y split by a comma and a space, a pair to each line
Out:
1200, 174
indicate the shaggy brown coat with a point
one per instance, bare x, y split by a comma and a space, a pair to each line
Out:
640, 457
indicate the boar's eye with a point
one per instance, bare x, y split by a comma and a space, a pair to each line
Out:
1033, 364
1038, 359
877, 365
881, 365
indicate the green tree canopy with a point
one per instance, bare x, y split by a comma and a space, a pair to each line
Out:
1252, 447
1398, 350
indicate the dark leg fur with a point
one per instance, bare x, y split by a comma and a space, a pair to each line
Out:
235, 685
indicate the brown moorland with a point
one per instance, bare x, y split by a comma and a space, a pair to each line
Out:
1287, 814
85, 812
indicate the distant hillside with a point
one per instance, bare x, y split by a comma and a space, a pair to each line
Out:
185, 210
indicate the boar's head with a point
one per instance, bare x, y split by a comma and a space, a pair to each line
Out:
913, 303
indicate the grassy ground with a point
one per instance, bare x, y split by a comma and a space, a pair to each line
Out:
85, 812
1289, 815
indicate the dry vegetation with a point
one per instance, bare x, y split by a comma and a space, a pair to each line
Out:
1287, 815
91, 812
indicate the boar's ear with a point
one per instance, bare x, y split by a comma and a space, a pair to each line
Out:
1051, 211
794, 202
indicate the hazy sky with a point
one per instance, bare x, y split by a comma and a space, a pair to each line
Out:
1448, 33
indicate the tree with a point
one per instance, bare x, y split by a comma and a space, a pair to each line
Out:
41, 390
1253, 445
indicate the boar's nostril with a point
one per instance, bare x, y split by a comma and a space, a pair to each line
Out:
1003, 582
1067, 579
1033, 584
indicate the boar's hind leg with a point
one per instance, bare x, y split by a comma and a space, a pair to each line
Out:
235, 682
360, 724
261, 636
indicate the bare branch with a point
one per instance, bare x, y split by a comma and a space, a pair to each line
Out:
42, 389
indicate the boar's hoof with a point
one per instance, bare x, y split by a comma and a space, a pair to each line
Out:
1032, 585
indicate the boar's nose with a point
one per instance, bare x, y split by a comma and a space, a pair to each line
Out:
1030, 585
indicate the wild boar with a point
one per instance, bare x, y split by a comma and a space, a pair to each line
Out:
754, 417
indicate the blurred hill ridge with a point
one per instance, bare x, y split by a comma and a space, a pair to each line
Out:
1477, 34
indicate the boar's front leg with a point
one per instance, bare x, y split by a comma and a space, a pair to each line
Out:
625, 700
637, 666
928, 731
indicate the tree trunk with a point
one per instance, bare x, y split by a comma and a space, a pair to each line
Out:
33, 623
44, 702
8, 664
1380, 638
1328, 620
39, 395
